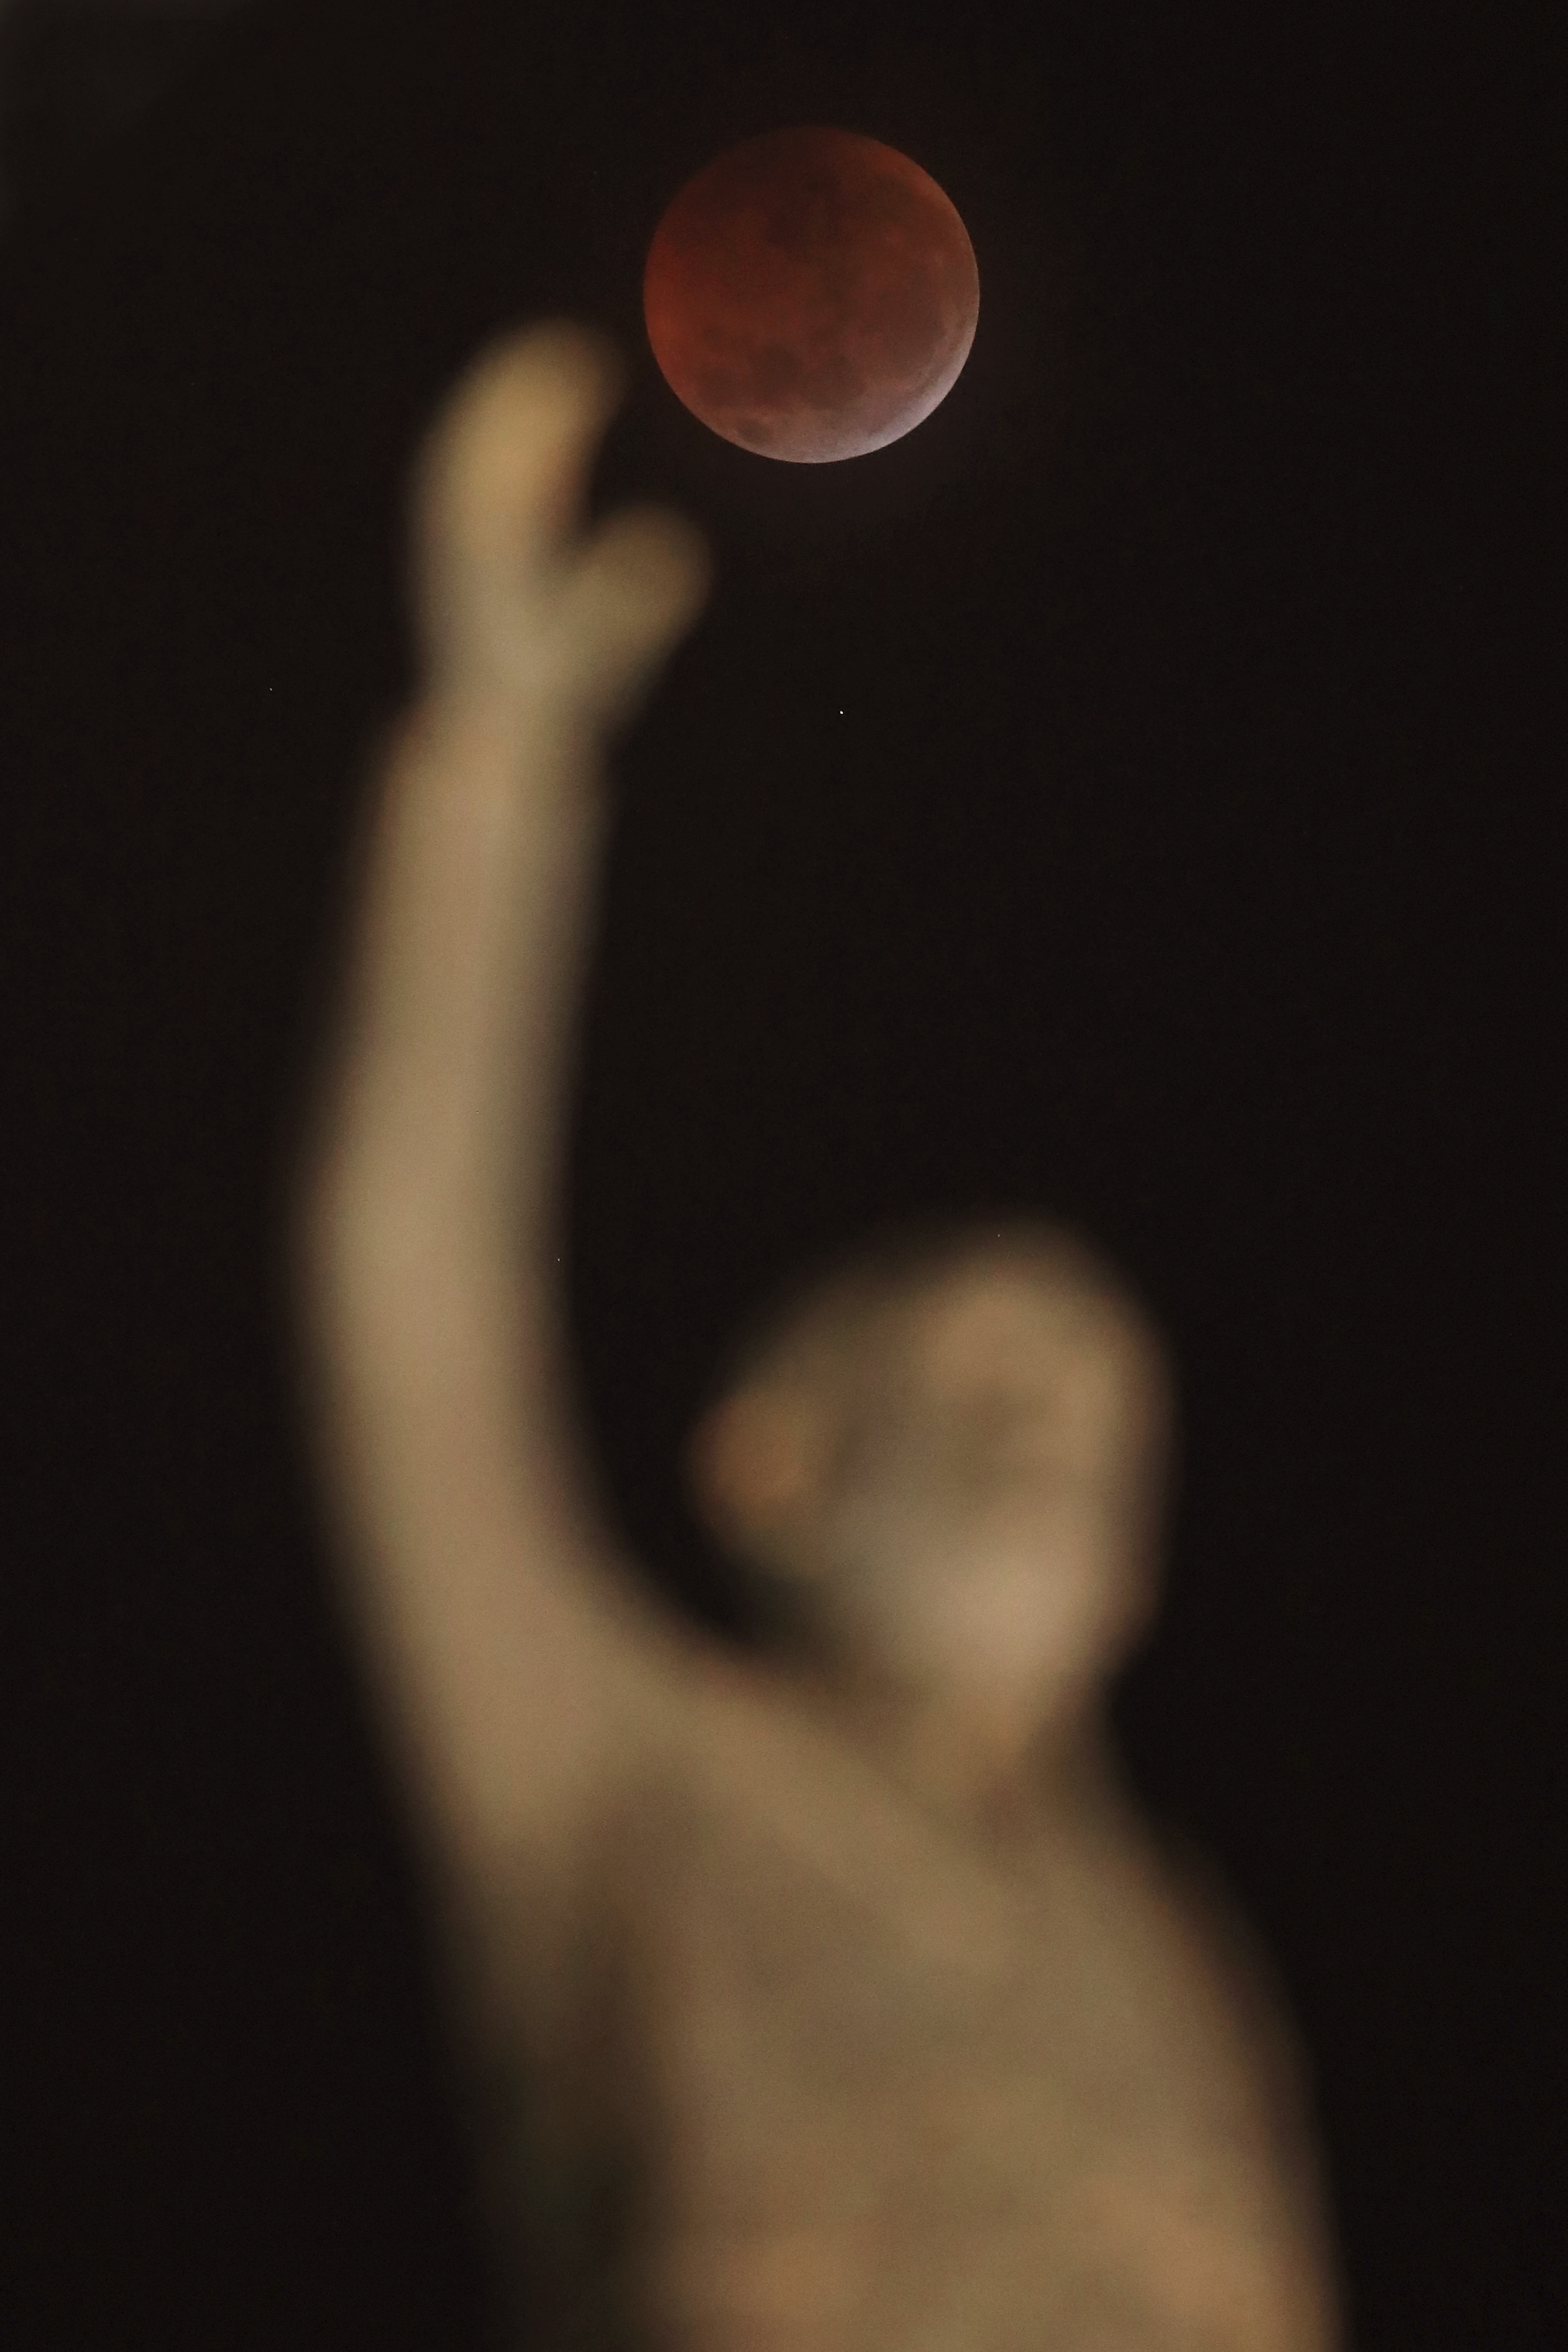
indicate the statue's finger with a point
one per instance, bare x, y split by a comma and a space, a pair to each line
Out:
503, 475
637, 590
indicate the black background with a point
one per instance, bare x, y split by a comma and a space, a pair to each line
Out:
1128, 796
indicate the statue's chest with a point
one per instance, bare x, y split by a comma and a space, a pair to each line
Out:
812, 2084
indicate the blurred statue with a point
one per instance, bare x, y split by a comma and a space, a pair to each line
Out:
841, 2001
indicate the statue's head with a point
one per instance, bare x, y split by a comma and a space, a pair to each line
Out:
948, 1456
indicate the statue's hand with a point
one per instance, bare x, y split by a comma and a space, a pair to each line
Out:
517, 610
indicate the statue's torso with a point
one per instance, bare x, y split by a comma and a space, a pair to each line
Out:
928, 2108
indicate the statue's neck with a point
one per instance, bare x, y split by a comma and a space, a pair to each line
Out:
1002, 1775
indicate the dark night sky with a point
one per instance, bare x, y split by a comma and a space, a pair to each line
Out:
1126, 797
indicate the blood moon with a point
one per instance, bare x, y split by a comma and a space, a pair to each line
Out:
811, 295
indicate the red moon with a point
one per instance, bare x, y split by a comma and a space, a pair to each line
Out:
811, 295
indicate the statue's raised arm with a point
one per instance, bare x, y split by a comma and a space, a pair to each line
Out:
506, 1646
